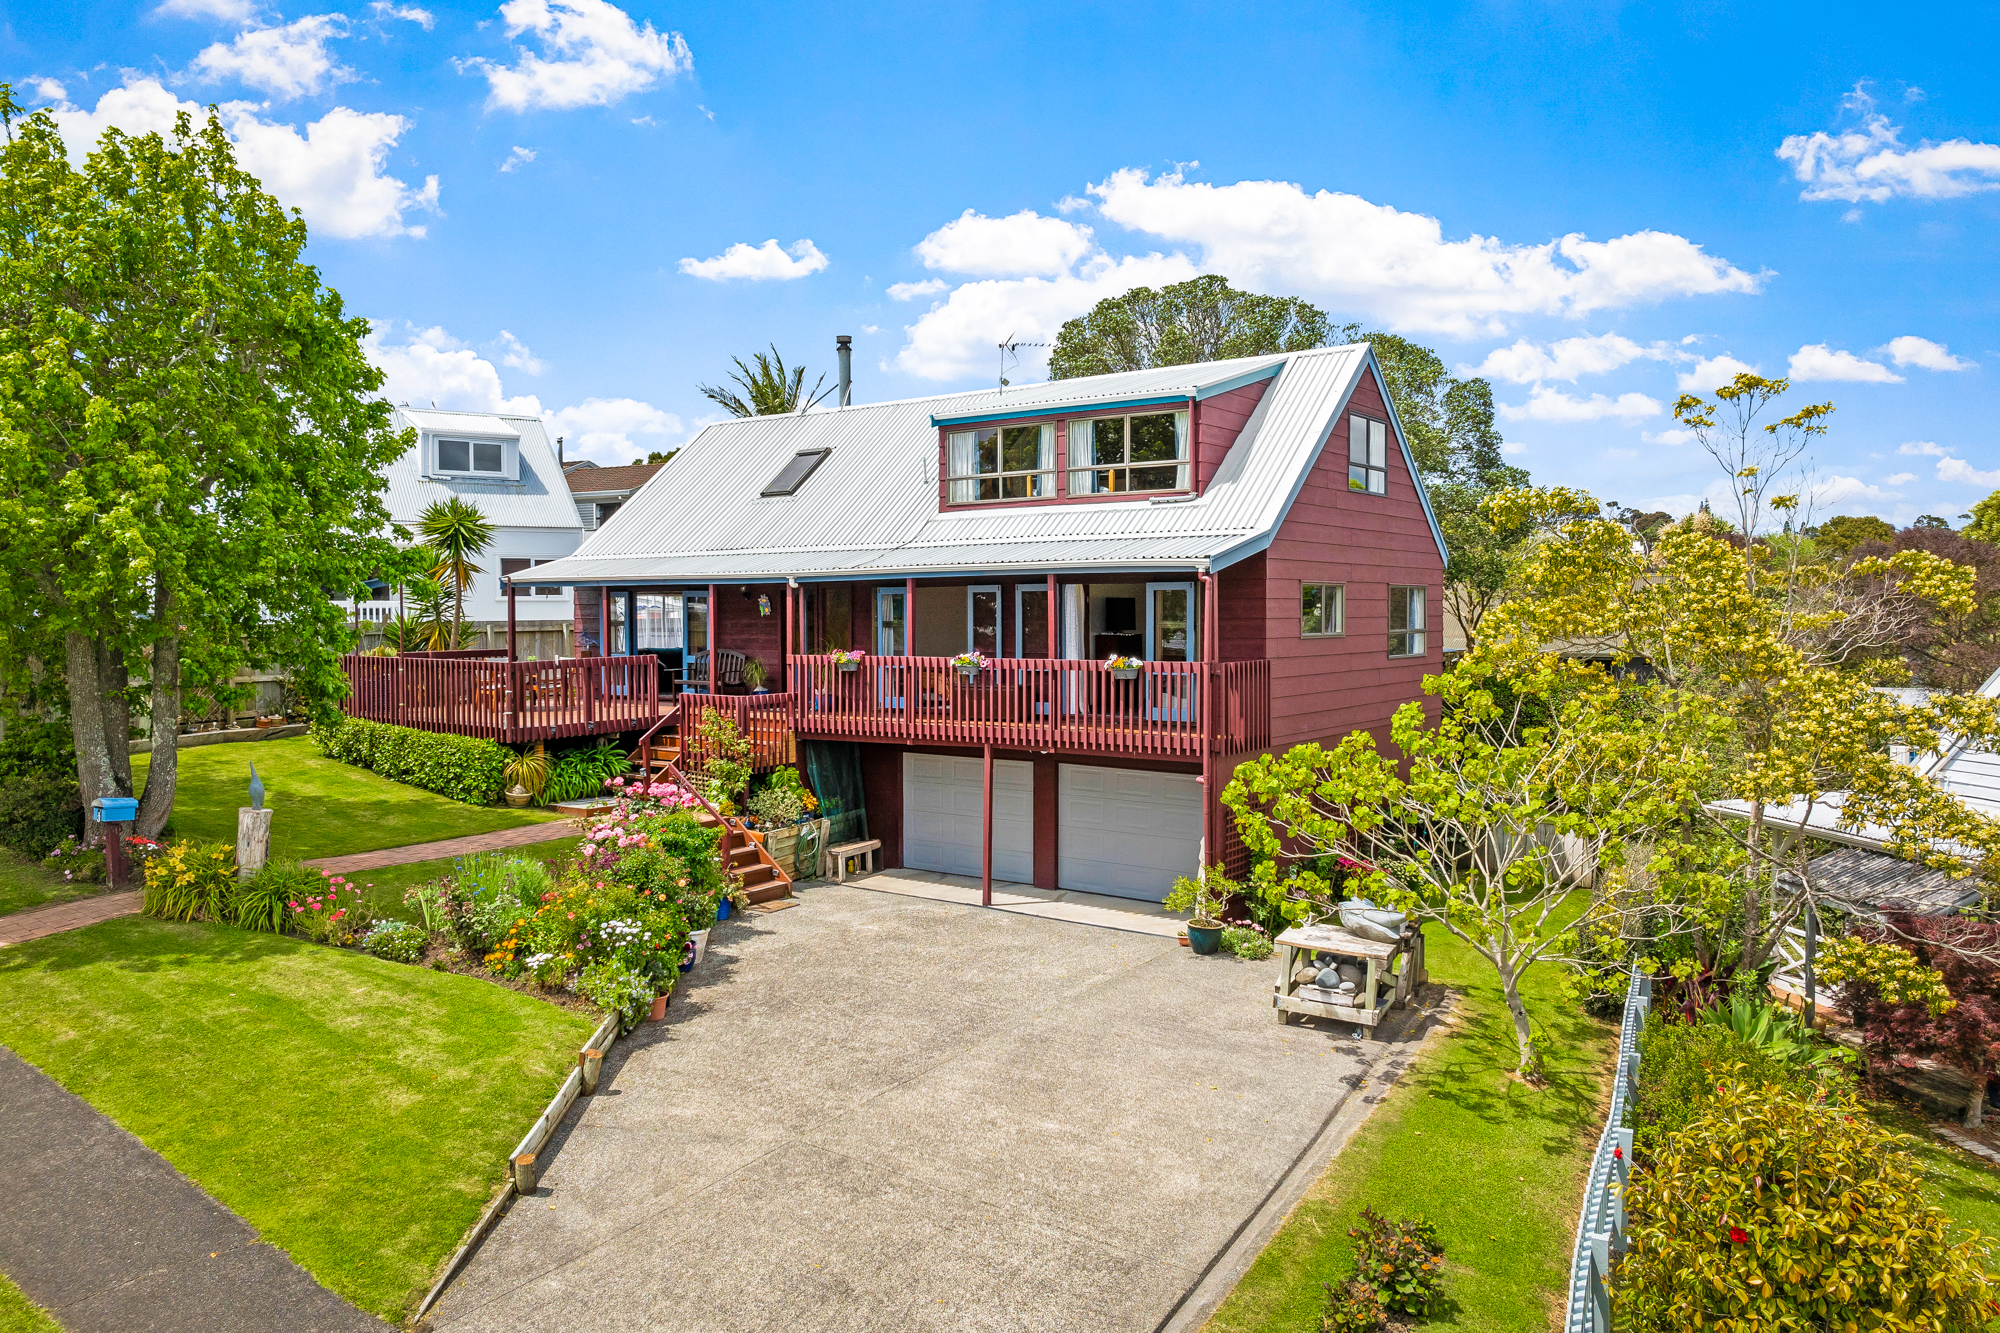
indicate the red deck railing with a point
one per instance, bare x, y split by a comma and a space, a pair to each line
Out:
766, 719
507, 701
1034, 704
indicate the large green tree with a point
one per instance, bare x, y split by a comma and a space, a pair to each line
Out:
1202, 319
191, 445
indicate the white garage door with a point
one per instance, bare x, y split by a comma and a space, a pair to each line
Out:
1127, 832
943, 820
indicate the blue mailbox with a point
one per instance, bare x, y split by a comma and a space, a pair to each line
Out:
115, 809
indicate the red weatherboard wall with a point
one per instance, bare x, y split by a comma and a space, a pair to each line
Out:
1321, 689
738, 627
1219, 420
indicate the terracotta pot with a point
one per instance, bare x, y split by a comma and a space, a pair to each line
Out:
659, 1010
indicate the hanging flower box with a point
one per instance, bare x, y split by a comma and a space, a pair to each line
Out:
968, 665
847, 660
1123, 668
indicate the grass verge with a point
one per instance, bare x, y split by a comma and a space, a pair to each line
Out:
1958, 1183
356, 1112
323, 807
18, 1314
1498, 1166
25, 884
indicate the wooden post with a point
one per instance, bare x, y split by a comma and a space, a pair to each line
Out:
1054, 648
591, 1062
510, 620
714, 639
526, 1174
986, 850
909, 651
603, 621
253, 840
1211, 851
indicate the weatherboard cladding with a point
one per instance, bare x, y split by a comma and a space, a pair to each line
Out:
872, 510
540, 499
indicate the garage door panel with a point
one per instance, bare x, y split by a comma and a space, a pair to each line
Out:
944, 816
1127, 832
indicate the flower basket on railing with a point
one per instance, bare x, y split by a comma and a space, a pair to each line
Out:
846, 660
1123, 668
968, 665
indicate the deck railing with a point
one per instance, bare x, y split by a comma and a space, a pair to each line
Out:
1035, 704
506, 701
765, 719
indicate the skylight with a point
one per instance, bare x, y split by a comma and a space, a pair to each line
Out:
795, 473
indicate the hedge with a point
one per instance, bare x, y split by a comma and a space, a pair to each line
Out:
464, 768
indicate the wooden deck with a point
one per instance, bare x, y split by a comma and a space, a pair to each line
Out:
513, 702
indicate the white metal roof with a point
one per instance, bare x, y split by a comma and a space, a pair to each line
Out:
871, 509
540, 499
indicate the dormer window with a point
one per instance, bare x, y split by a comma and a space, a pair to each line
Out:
472, 458
1140, 452
1001, 463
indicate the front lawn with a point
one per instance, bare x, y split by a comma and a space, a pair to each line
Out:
357, 1112
323, 807
25, 884
1498, 1166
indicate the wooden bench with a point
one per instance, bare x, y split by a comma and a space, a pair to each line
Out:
837, 858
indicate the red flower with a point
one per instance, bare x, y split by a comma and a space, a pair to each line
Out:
1738, 1236
1617, 1154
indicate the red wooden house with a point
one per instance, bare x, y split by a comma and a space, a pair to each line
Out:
1253, 532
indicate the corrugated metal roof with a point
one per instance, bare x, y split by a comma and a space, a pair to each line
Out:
540, 499
1855, 880
872, 507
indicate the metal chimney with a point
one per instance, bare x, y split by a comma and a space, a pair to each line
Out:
844, 348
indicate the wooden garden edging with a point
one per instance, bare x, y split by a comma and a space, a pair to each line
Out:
520, 1179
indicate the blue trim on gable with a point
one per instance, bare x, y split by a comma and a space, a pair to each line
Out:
1409, 459
1269, 372
1074, 410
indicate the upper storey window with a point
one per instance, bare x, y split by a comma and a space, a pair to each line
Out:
1141, 452
1367, 455
1001, 463
472, 457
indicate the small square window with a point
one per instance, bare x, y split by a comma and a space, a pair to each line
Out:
1406, 622
1322, 610
454, 455
1367, 455
476, 456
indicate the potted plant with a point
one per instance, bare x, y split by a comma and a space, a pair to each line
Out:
527, 775
779, 807
848, 659
754, 675
1123, 668
969, 664
1202, 900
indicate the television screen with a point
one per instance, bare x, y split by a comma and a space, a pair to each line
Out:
1121, 615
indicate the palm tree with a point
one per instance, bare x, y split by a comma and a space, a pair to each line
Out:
424, 621
455, 532
770, 389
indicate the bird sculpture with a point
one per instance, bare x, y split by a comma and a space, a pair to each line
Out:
256, 789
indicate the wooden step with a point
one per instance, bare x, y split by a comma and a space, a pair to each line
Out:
774, 890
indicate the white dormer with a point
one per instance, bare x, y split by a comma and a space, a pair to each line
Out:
481, 448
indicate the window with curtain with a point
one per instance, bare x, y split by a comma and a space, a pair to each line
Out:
1001, 463
1367, 455
1406, 622
1322, 610
1141, 452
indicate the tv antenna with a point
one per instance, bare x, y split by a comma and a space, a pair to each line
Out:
1010, 356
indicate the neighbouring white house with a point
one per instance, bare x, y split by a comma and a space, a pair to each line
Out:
507, 466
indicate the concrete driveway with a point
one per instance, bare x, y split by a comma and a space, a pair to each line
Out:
873, 1111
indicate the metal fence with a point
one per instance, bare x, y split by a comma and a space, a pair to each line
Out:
1600, 1231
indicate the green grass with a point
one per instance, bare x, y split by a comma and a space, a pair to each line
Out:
1498, 1166
323, 807
357, 1112
383, 889
1958, 1182
18, 1314
25, 883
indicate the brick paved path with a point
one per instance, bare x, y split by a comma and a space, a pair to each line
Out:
20, 927
432, 851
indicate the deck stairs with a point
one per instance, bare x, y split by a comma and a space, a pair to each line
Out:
742, 849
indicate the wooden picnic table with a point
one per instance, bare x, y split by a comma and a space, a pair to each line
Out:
1400, 964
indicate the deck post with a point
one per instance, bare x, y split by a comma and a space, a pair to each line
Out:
1052, 649
1211, 853
714, 639
986, 850
510, 620
909, 653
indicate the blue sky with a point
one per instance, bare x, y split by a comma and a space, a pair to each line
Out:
565, 205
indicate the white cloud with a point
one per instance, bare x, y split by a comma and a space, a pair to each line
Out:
230, 11
520, 157
1546, 404
1924, 354
758, 263
1674, 436
50, 90
960, 335
408, 13
909, 291
599, 56
602, 428
517, 356
1712, 373
1527, 362
1899, 478
1838, 489
285, 62
333, 173
432, 366
1513, 447
1957, 469
1921, 449
1023, 245
1817, 361
1398, 267
1871, 165
871, 329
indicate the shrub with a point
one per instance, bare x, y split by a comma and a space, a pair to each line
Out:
582, 772
263, 900
1680, 1065
1901, 1026
36, 744
192, 881
38, 810
1890, 970
398, 941
464, 768
76, 862
332, 913
617, 988
1776, 1211
1402, 1260
1246, 942
777, 806
1351, 1307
